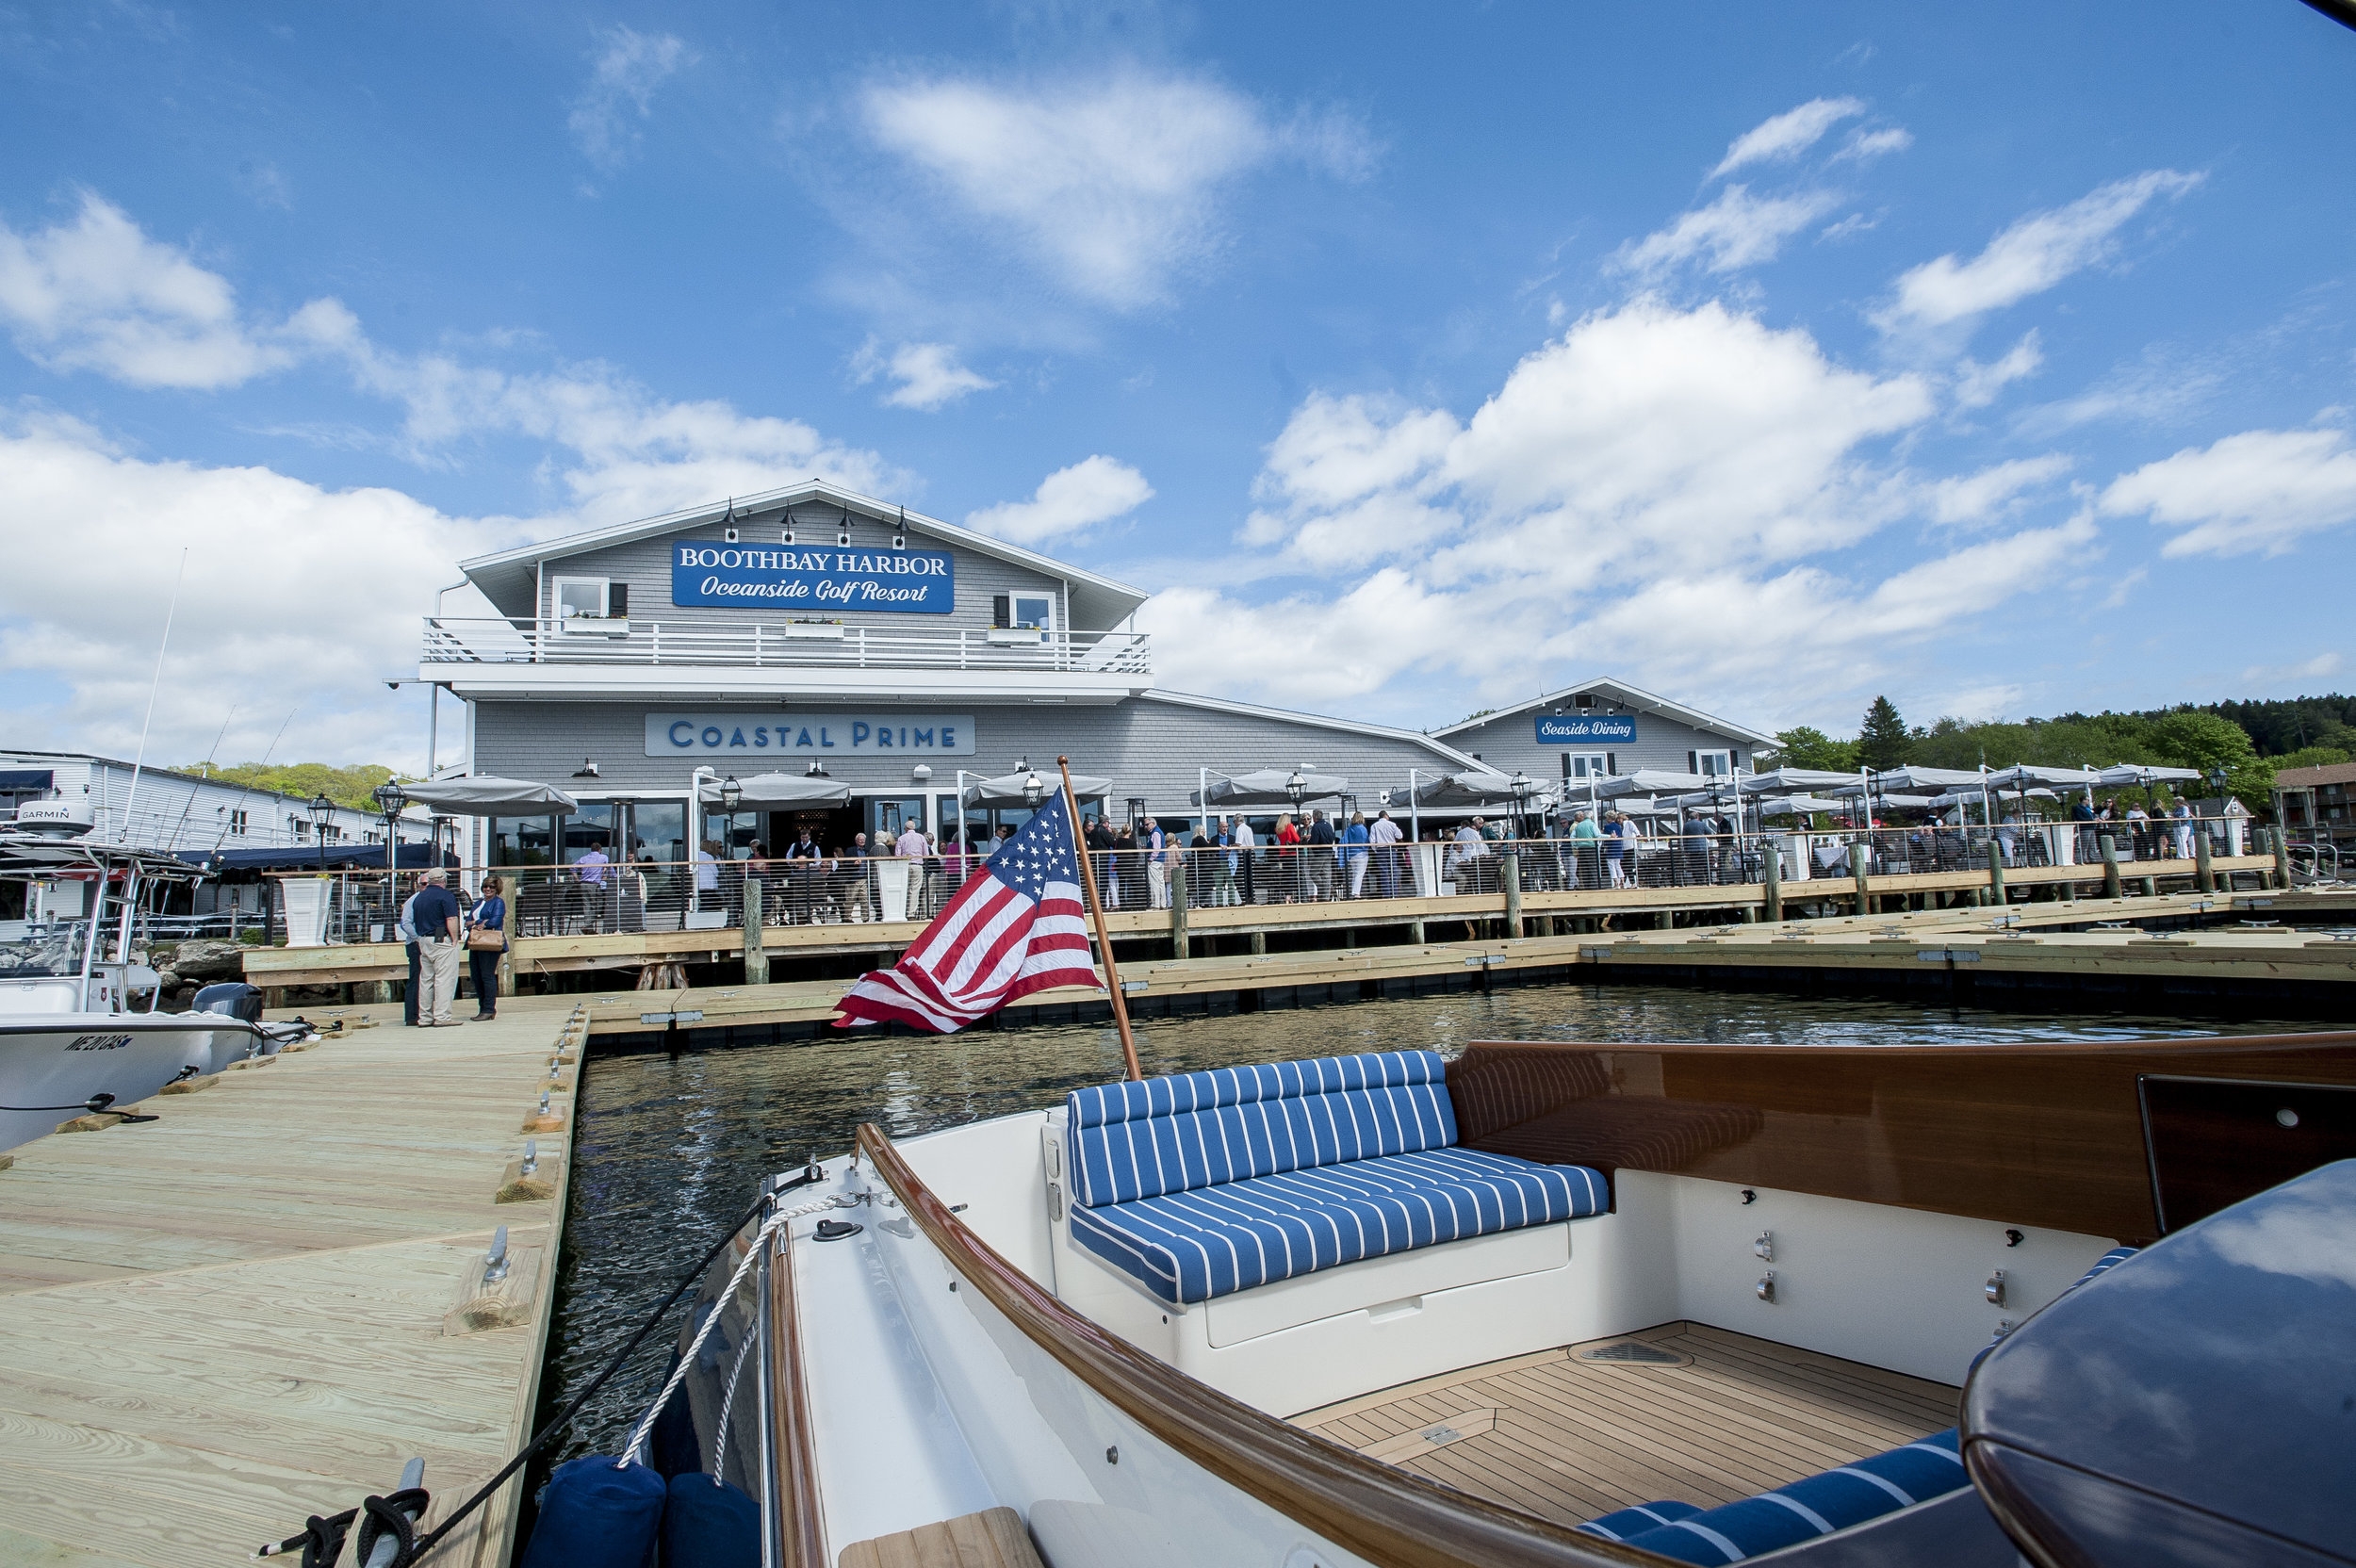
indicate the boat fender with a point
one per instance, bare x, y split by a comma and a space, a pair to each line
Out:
597, 1512
709, 1524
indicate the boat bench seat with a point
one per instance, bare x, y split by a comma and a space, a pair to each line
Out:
1204, 1183
1831, 1500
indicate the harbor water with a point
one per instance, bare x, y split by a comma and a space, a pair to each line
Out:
670, 1150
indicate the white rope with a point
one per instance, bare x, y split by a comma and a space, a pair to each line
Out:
728, 1403
745, 1266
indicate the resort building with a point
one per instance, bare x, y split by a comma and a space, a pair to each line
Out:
164, 809
1603, 727
817, 633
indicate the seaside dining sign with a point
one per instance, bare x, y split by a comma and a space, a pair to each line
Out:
806, 577
755, 735
1576, 729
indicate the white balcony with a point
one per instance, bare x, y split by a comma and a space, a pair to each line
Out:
587, 658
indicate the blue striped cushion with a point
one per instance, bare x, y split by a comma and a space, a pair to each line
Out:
1623, 1523
1194, 1244
1820, 1505
2104, 1263
1136, 1140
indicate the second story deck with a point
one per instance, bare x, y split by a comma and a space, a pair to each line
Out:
585, 657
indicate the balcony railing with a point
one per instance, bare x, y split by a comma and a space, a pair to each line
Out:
818, 645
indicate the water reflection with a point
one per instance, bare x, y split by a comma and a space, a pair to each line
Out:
671, 1149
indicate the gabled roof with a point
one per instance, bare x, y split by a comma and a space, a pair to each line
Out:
509, 577
2315, 778
1635, 699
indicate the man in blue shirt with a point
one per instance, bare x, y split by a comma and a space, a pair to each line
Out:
436, 917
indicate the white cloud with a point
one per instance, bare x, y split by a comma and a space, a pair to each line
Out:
1734, 231
1865, 146
1649, 484
1787, 135
929, 374
296, 597
1093, 490
1978, 385
97, 294
2257, 492
1980, 496
2029, 256
2323, 666
1112, 182
620, 94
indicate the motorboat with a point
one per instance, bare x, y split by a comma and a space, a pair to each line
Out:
80, 1025
1549, 1303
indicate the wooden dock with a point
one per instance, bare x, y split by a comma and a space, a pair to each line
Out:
243, 1313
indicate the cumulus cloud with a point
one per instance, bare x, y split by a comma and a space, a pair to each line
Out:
929, 374
1653, 476
296, 597
1979, 497
2256, 493
1068, 501
2029, 256
1734, 231
1112, 182
606, 118
98, 294
1787, 135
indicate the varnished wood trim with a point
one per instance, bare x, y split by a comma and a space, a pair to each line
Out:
803, 1537
1388, 1516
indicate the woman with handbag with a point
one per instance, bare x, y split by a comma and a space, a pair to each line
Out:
486, 940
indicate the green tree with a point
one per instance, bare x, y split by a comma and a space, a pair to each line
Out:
1809, 747
1882, 739
343, 786
2309, 757
2191, 739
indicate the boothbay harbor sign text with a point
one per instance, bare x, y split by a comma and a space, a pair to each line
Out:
1573, 730
914, 582
753, 735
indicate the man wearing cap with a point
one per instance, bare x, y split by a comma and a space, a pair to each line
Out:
435, 917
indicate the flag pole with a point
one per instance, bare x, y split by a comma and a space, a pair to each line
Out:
1103, 938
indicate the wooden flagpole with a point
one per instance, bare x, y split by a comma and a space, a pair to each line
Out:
1103, 938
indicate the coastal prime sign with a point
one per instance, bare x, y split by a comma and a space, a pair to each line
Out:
1580, 729
815, 581
751, 736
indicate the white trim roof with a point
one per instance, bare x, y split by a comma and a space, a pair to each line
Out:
508, 577
1631, 696
1315, 720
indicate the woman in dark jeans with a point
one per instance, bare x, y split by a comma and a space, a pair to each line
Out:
489, 914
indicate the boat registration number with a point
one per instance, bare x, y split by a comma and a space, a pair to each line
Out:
99, 1042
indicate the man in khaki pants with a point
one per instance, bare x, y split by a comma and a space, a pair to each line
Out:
439, 947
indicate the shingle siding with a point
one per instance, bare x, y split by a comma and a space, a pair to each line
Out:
1147, 746
646, 566
1510, 741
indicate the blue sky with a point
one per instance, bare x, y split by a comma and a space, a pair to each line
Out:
1417, 359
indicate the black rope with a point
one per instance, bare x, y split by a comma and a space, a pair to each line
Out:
94, 1104
427, 1543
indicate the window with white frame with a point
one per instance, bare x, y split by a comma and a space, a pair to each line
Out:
1586, 765
238, 822
590, 603
1710, 764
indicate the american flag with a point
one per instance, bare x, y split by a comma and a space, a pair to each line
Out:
1015, 927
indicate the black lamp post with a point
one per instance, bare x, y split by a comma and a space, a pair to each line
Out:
392, 800
731, 796
1033, 786
1521, 804
1297, 788
323, 811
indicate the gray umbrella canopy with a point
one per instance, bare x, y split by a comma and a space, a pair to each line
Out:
1792, 778
2012, 779
484, 795
1006, 789
2143, 773
766, 791
1652, 781
1470, 789
1800, 805
1270, 787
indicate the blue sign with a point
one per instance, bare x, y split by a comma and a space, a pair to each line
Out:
1580, 729
786, 577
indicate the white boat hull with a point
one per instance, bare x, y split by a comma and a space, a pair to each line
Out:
62, 1059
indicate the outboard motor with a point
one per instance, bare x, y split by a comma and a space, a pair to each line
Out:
234, 997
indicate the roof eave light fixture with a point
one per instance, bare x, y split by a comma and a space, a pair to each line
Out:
728, 522
587, 769
900, 535
843, 530
817, 769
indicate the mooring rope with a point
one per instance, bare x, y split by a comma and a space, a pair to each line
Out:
728, 1403
745, 1266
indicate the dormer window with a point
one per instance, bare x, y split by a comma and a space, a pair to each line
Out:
591, 603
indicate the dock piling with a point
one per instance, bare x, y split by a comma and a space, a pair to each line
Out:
1996, 874
2110, 866
1860, 857
756, 958
2205, 874
1510, 871
1772, 868
1178, 945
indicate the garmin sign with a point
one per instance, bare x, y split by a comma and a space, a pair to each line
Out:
752, 736
909, 583
1578, 730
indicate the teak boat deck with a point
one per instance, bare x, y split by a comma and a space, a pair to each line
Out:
1569, 1438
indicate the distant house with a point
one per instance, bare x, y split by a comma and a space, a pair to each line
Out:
1601, 728
2316, 799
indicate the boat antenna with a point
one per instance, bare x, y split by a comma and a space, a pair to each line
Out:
189, 805
140, 759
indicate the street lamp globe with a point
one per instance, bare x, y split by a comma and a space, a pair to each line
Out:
731, 795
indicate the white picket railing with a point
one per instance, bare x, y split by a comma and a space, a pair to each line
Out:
636, 642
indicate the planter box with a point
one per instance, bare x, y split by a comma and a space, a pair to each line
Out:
814, 633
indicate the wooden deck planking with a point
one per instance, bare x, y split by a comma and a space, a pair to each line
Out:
1574, 1439
224, 1321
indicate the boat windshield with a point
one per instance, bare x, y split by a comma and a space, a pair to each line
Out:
44, 951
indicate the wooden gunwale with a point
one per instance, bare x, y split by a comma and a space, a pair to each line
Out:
1386, 1516
802, 1538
